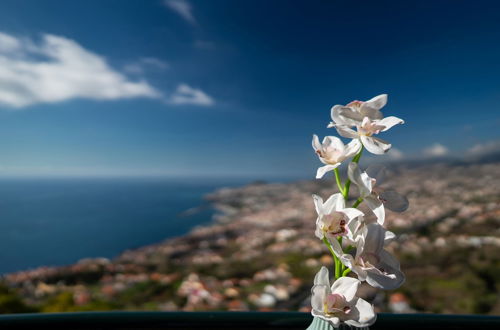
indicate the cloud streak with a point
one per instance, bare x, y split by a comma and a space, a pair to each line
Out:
146, 64
185, 95
436, 150
182, 8
57, 69
483, 149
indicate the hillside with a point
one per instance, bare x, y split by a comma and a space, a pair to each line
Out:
261, 253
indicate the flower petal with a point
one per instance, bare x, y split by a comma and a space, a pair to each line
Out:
350, 116
363, 182
346, 132
371, 108
352, 148
343, 115
319, 293
331, 319
389, 237
377, 102
335, 321
376, 206
318, 204
394, 201
322, 277
316, 144
389, 260
374, 239
324, 169
346, 286
338, 118
360, 242
319, 232
378, 172
375, 145
391, 279
363, 316
334, 142
337, 249
352, 213
354, 227
350, 263
390, 121
334, 203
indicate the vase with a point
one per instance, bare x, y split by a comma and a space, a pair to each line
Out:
320, 324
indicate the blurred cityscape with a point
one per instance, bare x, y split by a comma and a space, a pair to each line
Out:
261, 253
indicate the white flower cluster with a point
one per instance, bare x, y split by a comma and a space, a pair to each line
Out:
356, 244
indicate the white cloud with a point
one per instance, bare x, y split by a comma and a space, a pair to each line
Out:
8, 43
395, 154
482, 149
58, 69
184, 94
146, 64
183, 8
436, 150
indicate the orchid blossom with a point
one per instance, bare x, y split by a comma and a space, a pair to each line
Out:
368, 119
344, 228
368, 183
332, 152
333, 217
338, 303
372, 263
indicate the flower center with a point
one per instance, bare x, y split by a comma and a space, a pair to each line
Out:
369, 260
355, 104
368, 127
334, 224
334, 304
332, 154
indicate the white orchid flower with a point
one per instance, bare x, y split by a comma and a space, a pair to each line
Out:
368, 183
338, 303
353, 113
368, 120
332, 152
372, 263
334, 218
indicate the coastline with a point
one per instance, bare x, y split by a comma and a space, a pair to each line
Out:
261, 253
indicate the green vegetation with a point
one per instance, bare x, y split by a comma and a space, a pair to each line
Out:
10, 302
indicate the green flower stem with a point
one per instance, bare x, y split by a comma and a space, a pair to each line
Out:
337, 261
358, 201
339, 182
340, 266
356, 158
338, 269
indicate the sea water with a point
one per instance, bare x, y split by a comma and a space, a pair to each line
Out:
49, 222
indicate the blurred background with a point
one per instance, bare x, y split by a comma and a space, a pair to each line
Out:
156, 155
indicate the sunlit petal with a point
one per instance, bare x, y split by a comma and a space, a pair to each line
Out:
325, 169
346, 286
389, 122
346, 132
377, 207
375, 145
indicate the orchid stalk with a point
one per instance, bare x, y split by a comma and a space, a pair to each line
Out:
338, 225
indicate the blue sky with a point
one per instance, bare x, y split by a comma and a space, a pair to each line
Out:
215, 88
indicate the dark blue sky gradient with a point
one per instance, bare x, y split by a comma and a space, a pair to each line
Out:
274, 69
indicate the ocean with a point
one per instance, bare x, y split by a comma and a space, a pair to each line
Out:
50, 222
